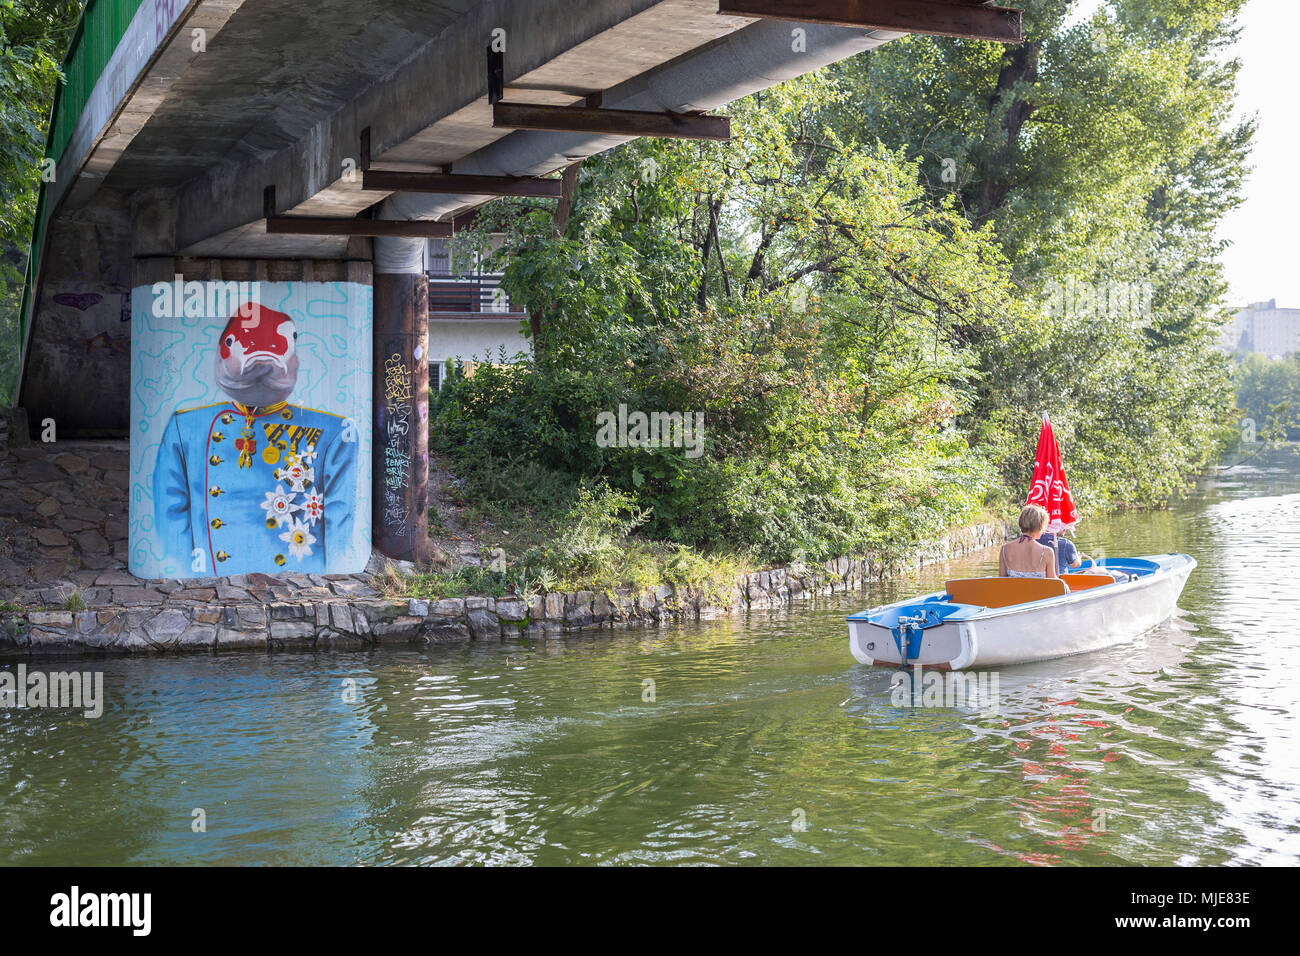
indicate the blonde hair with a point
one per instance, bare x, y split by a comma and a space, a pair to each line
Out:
1032, 518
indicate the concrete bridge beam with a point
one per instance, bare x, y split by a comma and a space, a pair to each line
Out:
433, 110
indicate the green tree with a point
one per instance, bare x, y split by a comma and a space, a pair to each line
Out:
876, 287
1268, 395
797, 290
33, 36
1104, 154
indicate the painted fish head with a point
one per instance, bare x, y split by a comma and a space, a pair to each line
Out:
256, 334
257, 360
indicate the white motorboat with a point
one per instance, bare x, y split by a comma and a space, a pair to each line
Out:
995, 621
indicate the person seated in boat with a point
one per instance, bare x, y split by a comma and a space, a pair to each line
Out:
1067, 555
1026, 557
1070, 559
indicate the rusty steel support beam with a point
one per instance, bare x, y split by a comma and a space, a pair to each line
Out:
457, 184
323, 226
969, 19
326, 226
400, 453
584, 119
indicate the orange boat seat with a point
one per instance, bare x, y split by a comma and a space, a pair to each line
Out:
1081, 582
1003, 592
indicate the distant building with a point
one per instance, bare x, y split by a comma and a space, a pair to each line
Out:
1263, 327
471, 319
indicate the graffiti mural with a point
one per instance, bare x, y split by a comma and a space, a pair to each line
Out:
397, 444
250, 429
81, 301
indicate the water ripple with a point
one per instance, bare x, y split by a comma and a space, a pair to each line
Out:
735, 742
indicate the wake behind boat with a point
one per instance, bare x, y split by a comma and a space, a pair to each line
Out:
994, 621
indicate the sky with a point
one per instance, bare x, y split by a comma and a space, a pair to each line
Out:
1260, 261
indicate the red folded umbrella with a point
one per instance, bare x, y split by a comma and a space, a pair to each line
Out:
1049, 487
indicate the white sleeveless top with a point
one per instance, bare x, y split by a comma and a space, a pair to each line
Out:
1022, 574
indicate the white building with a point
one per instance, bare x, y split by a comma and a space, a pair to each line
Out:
471, 319
1263, 327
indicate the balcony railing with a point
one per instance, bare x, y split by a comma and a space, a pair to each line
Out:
473, 294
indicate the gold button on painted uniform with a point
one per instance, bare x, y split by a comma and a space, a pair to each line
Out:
222, 556
215, 492
217, 436
214, 460
216, 522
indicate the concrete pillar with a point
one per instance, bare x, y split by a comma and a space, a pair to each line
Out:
400, 499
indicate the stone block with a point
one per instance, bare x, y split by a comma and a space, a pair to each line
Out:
198, 635
511, 609
578, 616
445, 630
483, 624
293, 633
555, 606
166, 627
231, 638
50, 618
341, 618
448, 607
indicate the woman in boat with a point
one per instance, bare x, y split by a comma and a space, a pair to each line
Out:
1026, 557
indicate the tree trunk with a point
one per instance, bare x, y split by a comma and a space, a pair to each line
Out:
559, 226
563, 208
1019, 69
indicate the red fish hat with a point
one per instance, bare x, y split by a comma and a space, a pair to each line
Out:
256, 332
1049, 486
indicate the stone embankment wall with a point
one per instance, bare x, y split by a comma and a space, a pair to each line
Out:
262, 616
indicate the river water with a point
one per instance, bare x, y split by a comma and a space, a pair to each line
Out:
760, 741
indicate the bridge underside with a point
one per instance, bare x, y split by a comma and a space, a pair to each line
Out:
207, 104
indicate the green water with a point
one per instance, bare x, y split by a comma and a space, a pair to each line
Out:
765, 742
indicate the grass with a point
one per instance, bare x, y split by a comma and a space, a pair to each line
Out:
466, 581
558, 536
637, 565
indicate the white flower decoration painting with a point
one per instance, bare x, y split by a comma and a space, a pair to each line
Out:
313, 506
299, 538
279, 506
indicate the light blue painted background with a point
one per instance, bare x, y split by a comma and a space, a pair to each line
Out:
171, 368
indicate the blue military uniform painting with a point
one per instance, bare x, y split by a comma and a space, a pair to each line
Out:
256, 483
